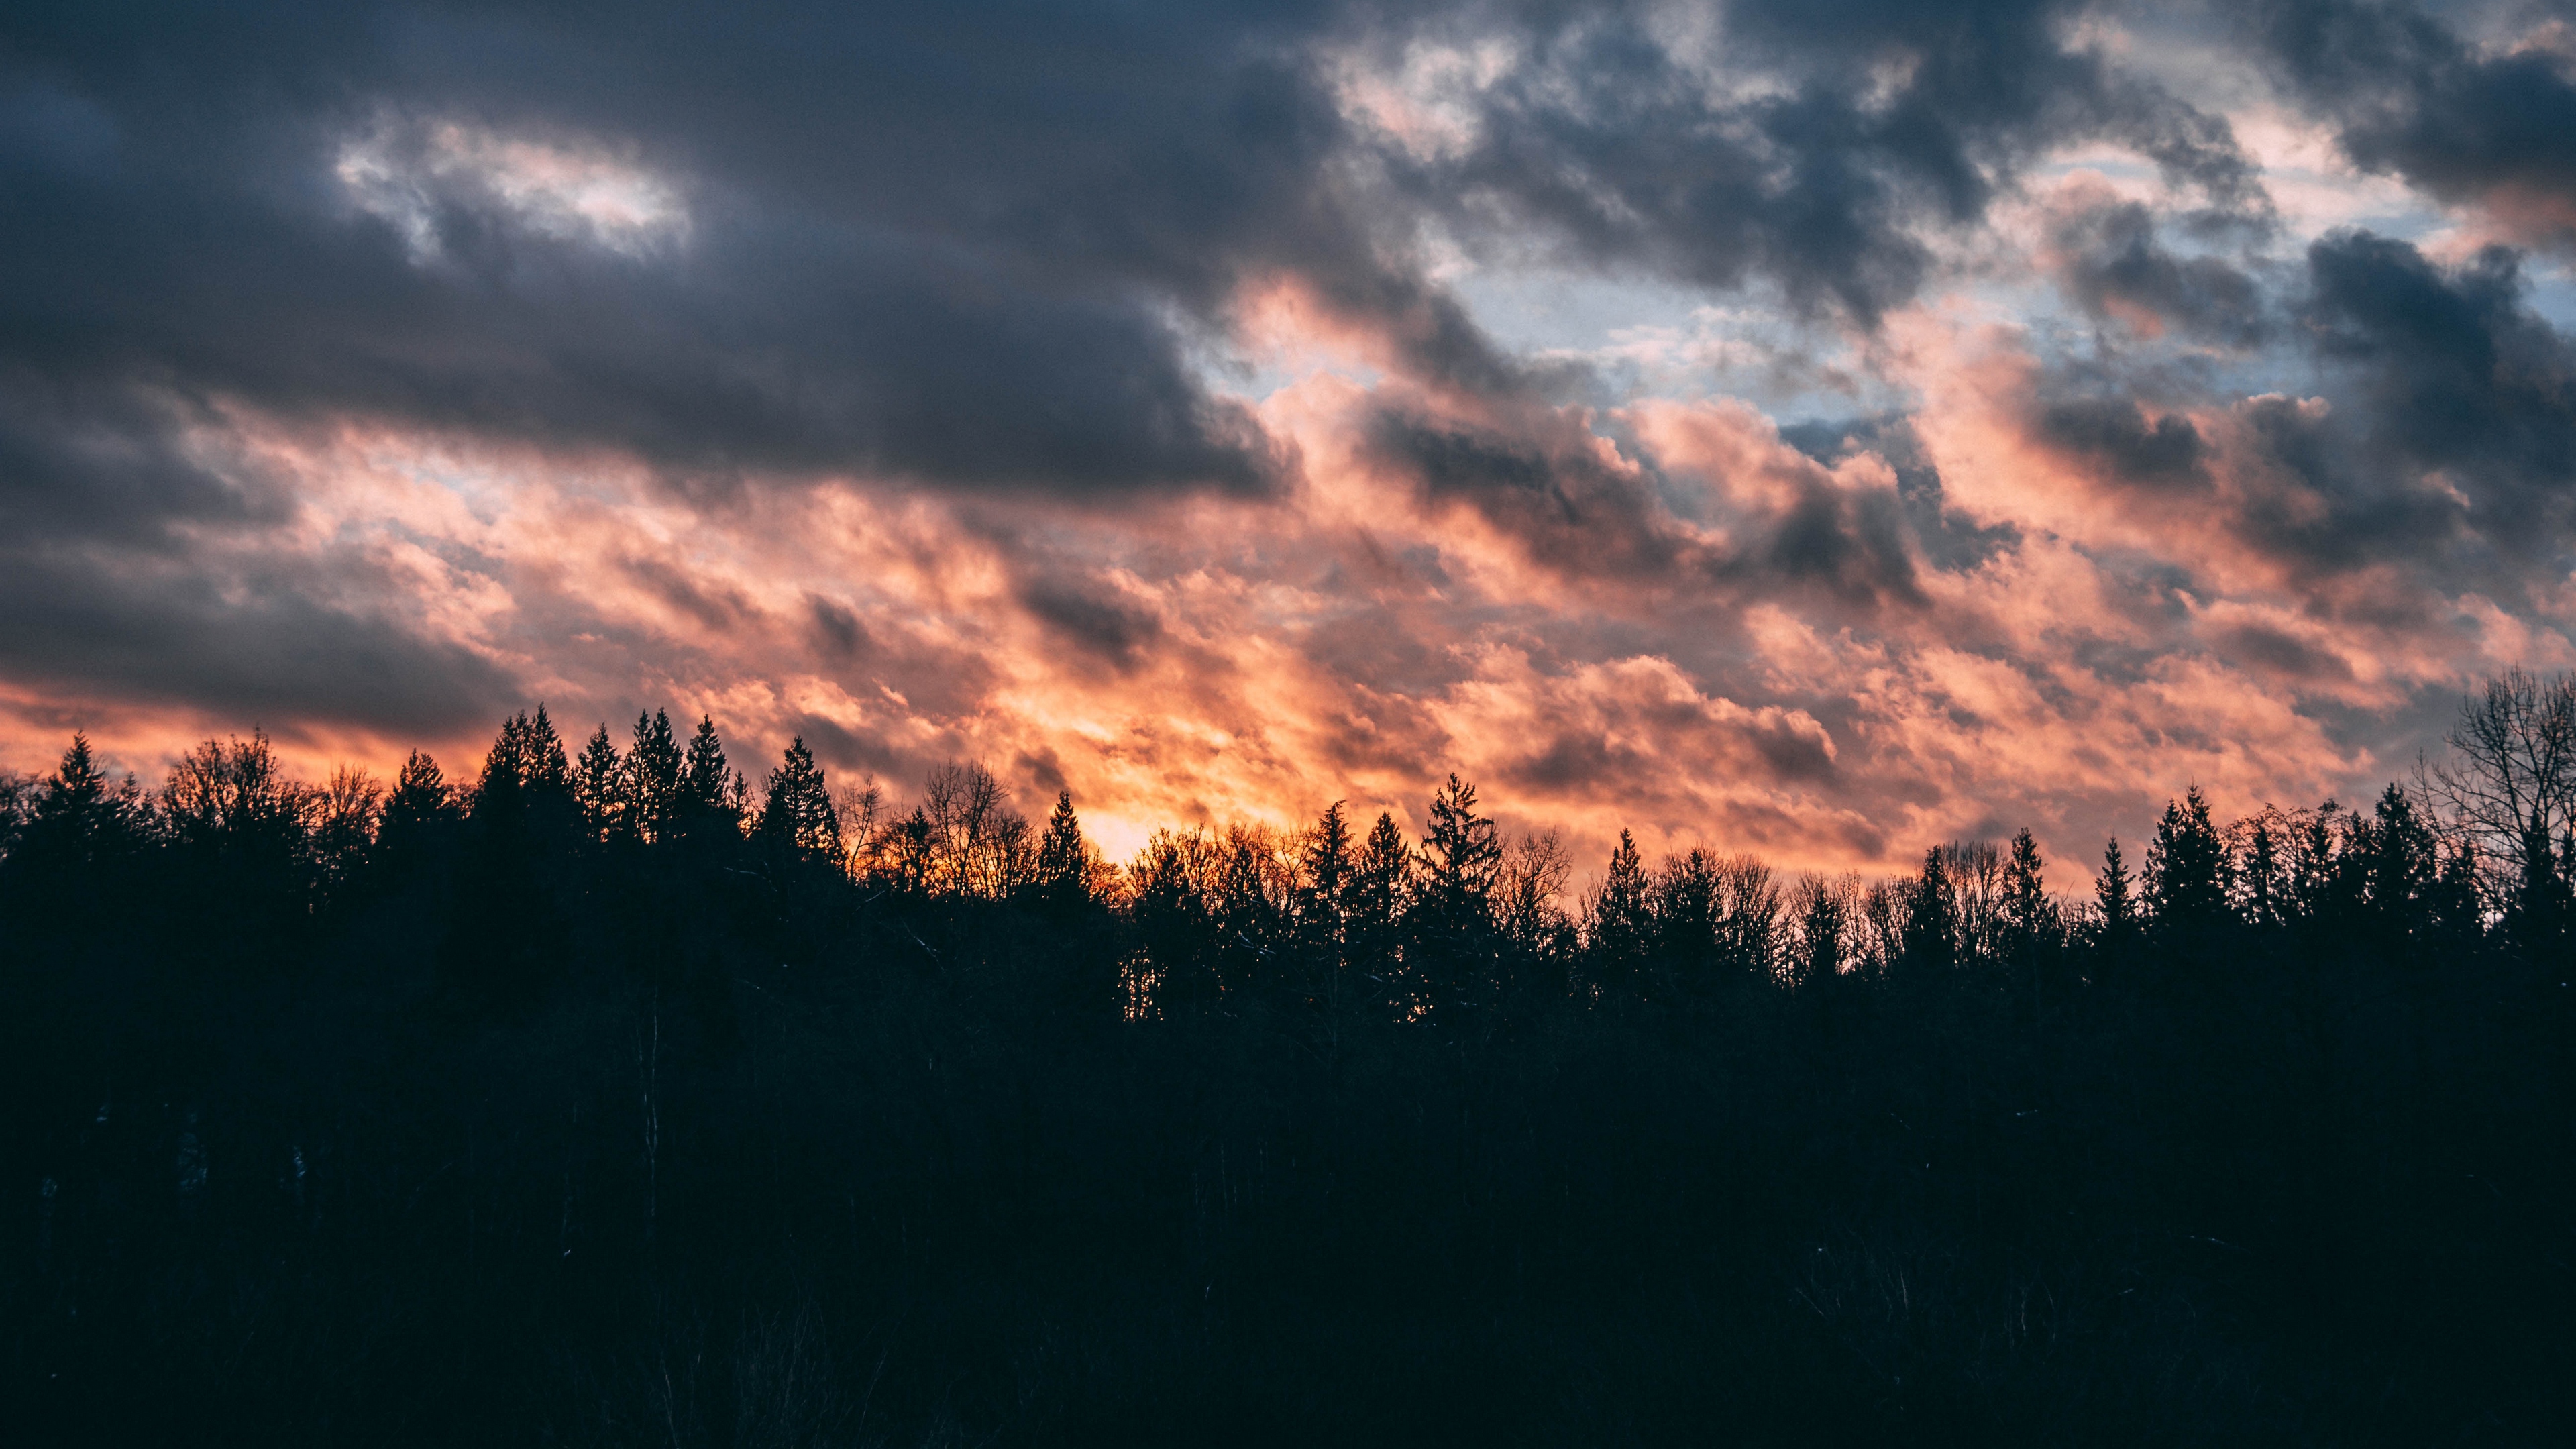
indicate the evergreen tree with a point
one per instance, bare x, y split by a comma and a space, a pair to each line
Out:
2187, 867
1932, 919
2261, 876
2537, 913
2033, 928
544, 769
1324, 866
78, 819
1687, 906
1823, 909
502, 787
1325, 863
2115, 901
1620, 928
710, 795
598, 789
652, 778
2403, 863
2030, 915
1453, 923
1460, 854
796, 814
420, 801
1381, 891
1064, 859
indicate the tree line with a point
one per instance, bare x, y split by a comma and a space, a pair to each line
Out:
2481, 850
616, 1095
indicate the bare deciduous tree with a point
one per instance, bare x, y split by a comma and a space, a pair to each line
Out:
2509, 780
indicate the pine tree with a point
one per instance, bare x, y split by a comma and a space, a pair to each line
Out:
1321, 903
2029, 914
652, 778
2404, 862
1932, 918
420, 800
525, 779
1823, 910
2262, 886
2114, 900
1326, 865
597, 785
78, 818
1460, 854
2537, 914
544, 770
2187, 867
1452, 925
796, 814
708, 793
1381, 891
2033, 927
1620, 931
1064, 859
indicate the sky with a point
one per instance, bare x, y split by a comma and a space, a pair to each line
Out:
1811, 427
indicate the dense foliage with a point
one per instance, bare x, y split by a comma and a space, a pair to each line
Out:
611, 1097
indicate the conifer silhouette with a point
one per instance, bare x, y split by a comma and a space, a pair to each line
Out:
796, 813
653, 778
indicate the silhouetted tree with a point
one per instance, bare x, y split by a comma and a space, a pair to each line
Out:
1822, 906
2115, 905
2187, 868
1381, 891
1453, 911
2033, 928
1064, 864
711, 796
797, 819
653, 779
81, 831
1619, 926
599, 792
1526, 889
348, 811
2508, 781
1932, 923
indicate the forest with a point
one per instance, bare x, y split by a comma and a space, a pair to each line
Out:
612, 1095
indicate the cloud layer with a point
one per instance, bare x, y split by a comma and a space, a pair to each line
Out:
1820, 429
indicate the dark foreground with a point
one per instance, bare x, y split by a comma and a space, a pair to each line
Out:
517, 1141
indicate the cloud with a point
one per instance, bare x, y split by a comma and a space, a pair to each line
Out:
2481, 124
2108, 255
1217, 410
1810, 147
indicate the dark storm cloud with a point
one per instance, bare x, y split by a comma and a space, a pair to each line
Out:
1543, 485
935, 250
1944, 537
2110, 256
2413, 97
1568, 509
105, 462
1092, 618
2114, 434
259, 649
1896, 116
105, 511
969, 247
2455, 373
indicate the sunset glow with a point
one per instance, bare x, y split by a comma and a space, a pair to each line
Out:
1811, 430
